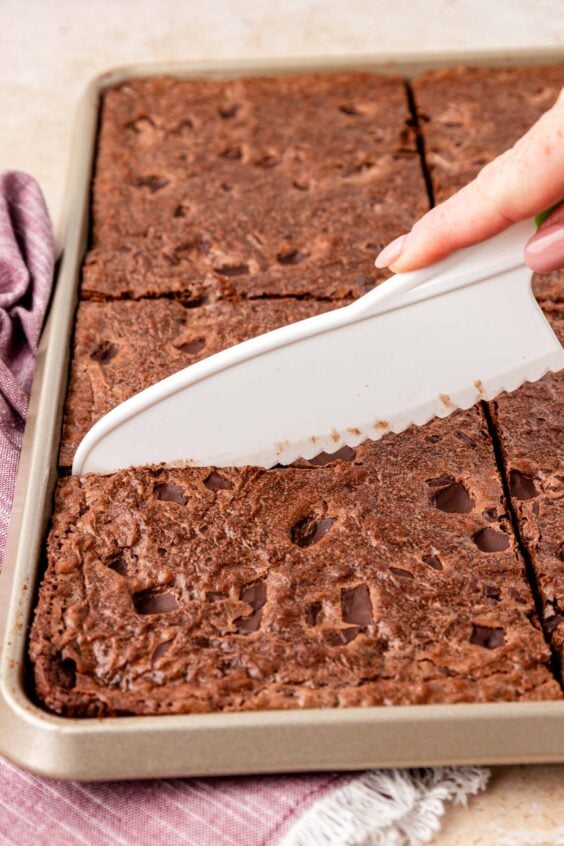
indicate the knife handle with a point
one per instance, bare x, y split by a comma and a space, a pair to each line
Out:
542, 216
492, 257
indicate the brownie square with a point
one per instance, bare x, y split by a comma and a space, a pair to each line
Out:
255, 187
388, 578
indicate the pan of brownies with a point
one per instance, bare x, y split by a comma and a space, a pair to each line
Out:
397, 604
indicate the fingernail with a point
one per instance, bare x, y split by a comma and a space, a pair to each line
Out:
391, 253
545, 250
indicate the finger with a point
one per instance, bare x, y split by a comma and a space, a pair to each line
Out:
545, 250
525, 179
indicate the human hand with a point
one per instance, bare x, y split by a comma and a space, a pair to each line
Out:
526, 179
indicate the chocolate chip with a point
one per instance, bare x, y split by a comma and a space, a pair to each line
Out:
152, 182
180, 211
229, 111
343, 454
342, 636
487, 636
453, 499
104, 352
168, 492
521, 485
255, 596
515, 594
232, 269
198, 302
553, 622
309, 530
350, 109
300, 185
232, 153
488, 540
560, 552
433, 562
118, 565
201, 642
192, 347
313, 613
493, 591
397, 571
356, 606
63, 672
291, 257
247, 625
153, 602
216, 482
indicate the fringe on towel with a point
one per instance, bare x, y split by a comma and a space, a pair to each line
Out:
386, 808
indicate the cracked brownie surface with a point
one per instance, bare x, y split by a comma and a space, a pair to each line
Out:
390, 576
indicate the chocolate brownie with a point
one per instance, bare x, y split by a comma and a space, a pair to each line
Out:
266, 186
529, 423
122, 347
470, 116
384, 575
391, 577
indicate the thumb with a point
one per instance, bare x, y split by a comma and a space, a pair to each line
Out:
545, 250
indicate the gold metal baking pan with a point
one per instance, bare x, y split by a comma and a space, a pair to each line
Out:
208, 744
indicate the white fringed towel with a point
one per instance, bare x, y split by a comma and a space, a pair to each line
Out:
386, 808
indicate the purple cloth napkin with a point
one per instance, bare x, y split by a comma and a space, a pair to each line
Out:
27, 257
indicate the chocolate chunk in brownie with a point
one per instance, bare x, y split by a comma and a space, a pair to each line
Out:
121, 348
469, 116
530, 427
358, 582
257, 187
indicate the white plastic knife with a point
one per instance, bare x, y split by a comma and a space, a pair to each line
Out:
419, 345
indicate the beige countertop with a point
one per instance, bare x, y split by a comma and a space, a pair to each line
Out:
51, 48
